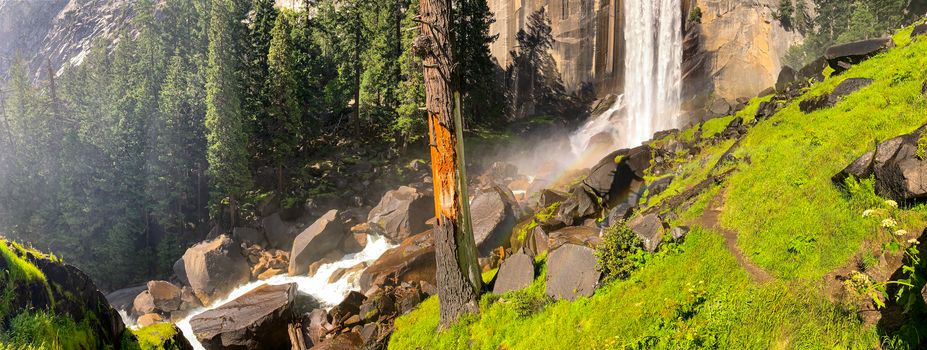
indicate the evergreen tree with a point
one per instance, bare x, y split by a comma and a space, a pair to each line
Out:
283, 122
477, 74
226, 137
261, 20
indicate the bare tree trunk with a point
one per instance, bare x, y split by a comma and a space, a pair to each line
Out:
458, 274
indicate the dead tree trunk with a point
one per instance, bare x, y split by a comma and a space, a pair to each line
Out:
458, 274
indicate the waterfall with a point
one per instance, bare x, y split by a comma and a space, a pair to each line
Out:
652, 81
653, 67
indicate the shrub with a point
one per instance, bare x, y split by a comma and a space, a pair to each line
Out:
620, 253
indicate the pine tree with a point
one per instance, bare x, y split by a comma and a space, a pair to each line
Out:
282, 89
226, 137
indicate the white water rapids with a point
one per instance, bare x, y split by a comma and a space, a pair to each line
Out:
328, 294
652, 81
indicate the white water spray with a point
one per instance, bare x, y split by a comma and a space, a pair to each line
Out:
328, 294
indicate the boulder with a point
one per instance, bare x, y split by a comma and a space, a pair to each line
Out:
279, 233
214, 268
612, 177
620, 213
123, 299
493, 216
719, 108
919, 30
319, 325
814, 103
548, 197
354, 243
786, 77
249, 235
413, 260
578, 235
348, 307
143, 304
896, 167
767, 109
578, 206
180, 271
378, 305
343, 341
256, 320
679, 233
320, 238
165, 295
571, 272
516, 272
149, 319
842, 57
657, 187
401, 213
814, 70
849, 86
649, 228
537, 242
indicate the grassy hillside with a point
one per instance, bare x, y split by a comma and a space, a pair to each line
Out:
787, 219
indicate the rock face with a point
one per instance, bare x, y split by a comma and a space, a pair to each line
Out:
256, 320
214, 268
413, 260
742, 39
493, 216
649, 228
571, 272
897, 168
588, 38
401, 213
842, 57
315, 242
516, 272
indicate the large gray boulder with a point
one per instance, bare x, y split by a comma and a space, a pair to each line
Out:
842, 57
649, 228
213, 268
413, 260
123, 299
165, 296
493, 216
578, 235
279, 233
401, 213
612, 177
256, 320
786, 77
314, 243
571, 272
581, 204
896, 166
516, 272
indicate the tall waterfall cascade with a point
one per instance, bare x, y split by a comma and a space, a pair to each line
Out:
652, 81
653, 67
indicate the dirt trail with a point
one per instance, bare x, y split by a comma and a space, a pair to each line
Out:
710, 220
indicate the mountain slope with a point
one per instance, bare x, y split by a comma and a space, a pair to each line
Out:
779, 210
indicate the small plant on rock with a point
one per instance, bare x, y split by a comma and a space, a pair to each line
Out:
621, 252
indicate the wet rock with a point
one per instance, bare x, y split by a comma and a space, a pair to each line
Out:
413, 260
249, 235
165, 296
842, 57
123, 299
346, 271
149, 319
343, 341
256, 320
214, 268
143, 304
649, 228
493, 217
354, 243
578, 235
279, 233
517, 272
571, 272
401, 213
320, 238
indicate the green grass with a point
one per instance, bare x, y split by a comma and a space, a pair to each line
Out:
785, 193
791, 220
625, 313
153, 337
42, 330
